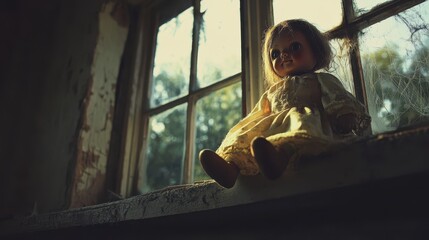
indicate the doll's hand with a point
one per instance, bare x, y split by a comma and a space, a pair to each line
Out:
345, 123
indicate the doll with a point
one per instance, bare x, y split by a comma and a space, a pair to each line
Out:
302, 113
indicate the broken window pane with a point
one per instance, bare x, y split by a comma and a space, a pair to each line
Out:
314, 11
165, 151
340, 65
172, 59
216, 114
395, 55
219, 54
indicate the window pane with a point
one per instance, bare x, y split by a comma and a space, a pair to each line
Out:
395, 56
340, 65
363, 6
172, 59
314, 11
164, 156
216, 114
219, 54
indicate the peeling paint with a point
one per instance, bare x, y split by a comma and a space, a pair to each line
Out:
98, 107
120, 14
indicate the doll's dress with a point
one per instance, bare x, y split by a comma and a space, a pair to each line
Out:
296, 111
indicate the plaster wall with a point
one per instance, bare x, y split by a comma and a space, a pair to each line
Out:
68, 78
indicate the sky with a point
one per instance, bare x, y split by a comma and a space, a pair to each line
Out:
220, 42
314, 11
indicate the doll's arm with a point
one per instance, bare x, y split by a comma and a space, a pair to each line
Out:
346, 114
345, 123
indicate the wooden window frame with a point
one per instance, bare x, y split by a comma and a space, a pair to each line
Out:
135, 142
256, 16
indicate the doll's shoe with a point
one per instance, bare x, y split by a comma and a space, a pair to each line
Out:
223, 172
271, 162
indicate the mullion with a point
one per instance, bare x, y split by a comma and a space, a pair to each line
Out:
190, 118
147, 85
355, 63
195, 41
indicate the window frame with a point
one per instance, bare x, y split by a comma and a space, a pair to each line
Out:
256, 16
135, 147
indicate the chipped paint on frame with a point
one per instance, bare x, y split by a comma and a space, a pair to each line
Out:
98, 109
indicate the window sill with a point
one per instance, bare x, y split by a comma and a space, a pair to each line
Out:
384, 166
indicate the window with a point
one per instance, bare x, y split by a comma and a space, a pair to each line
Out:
395, 59
381, 53
195, 80
194, 92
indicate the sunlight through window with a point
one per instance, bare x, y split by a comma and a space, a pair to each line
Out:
219, 54
172, 59
324, 15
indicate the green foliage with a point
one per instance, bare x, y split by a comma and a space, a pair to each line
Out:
215, 115
166, 147
168, 86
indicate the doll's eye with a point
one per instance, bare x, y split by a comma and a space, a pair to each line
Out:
295, 47
275, 54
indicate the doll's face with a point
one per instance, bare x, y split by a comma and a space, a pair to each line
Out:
291, 54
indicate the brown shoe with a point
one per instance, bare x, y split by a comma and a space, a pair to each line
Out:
223, 172
271, 161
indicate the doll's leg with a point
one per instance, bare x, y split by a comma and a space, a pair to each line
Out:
272, 161
223, 172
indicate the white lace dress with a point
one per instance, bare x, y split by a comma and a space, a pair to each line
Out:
297, 110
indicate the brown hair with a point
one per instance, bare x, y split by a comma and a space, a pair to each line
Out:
318, 42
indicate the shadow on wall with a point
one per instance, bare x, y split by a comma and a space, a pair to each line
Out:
59, 66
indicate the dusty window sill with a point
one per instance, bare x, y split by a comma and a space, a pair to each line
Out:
380, 158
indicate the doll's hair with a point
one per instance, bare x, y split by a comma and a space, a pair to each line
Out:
318, 42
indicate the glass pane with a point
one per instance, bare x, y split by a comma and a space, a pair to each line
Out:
340, 65
172, 59
363, 6
395, 55
216, 114
219, 53
165, 153
314, 11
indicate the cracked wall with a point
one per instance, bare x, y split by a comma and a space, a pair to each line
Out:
94, 136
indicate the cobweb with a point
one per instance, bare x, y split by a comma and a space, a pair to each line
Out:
394, 55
